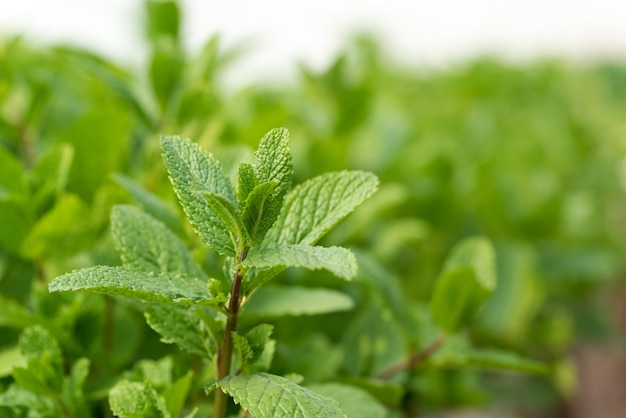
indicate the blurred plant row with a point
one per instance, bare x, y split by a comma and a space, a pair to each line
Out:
529, 155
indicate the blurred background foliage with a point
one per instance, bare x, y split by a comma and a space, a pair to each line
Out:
530, 155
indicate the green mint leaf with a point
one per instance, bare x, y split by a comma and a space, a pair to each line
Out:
38, 406
468, 277
273, 160
246, 182
43, 373
275, 302
242, 349
73, 394
266, 395
136, 400
10, 358
457, 353
194, 173
339, 261
180, 326
312, 208
257, 338
151, 204
260, 210
146, 244
176, 394
147, 286
231, 218
356, 402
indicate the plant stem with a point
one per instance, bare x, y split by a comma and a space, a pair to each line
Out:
413, 361
225, 352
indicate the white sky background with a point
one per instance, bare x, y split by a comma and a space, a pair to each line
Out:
284, 32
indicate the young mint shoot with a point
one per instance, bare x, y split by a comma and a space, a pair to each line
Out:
261, 227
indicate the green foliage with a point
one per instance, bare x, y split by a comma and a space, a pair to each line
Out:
468, 277
266, 395
482, 149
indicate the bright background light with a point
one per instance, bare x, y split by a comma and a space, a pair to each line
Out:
282, 32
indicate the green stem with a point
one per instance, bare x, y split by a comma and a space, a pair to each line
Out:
413, 361
225, 352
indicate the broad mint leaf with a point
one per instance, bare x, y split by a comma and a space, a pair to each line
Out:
468, 277
356, 402
180, 326
139, 285
136, 400
258, 214
339, 261
267, 395
146, 244
194, 173
312, 208
277, 301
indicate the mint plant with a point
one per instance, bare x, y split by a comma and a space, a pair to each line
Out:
261, 228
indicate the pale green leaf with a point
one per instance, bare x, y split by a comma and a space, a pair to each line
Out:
467, 279
260, 210
246, 182
457, 353
18, 397
194, 173
43, 373
136, 400
146, 244
151, 204
139, 285
180, 326
266, 395
10, 358
73, 393
276, 302
356, 402
231, 218
312, 208
339, 261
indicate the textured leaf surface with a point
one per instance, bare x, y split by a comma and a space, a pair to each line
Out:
278, 301
180, 326
246, 182
273, 160
356, 402
266, 395
135, 400
146, 286
146, 244
339, 261
195, 173
312, 208
230, 217
258, 212
43, 373
468, 277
